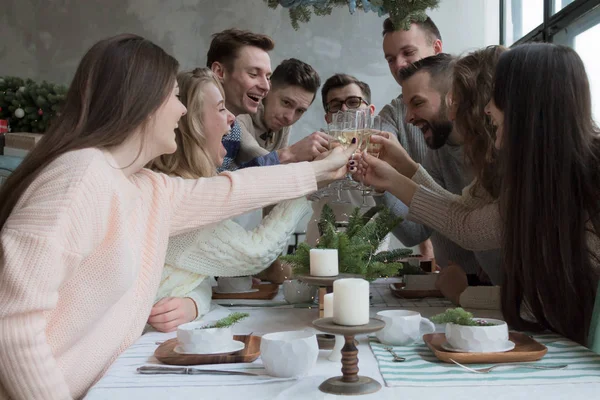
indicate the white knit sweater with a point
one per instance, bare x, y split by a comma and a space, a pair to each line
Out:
226, 249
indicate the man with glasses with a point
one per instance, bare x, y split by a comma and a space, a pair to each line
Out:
341, 92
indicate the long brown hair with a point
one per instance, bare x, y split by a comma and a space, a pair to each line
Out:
190, 160
119, 83
471, 91
550, 193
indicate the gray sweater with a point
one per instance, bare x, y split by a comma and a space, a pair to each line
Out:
446, 167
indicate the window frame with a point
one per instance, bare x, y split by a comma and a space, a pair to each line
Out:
552, 22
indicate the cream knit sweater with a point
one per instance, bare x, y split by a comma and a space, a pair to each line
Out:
226, 249
82, 254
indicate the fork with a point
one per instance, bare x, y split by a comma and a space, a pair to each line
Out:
516, 365
397, 358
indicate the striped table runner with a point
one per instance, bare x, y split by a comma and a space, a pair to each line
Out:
422, 368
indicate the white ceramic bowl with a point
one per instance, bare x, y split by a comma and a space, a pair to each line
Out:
295, 291
234, 284
289, 354
192, 339
483, 339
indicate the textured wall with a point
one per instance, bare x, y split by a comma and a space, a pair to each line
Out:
45, 39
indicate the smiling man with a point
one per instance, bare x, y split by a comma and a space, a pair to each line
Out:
294, 85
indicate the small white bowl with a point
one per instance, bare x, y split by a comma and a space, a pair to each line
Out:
192, 339
484, 339
289, 354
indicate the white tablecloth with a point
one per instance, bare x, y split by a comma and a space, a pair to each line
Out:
264, 320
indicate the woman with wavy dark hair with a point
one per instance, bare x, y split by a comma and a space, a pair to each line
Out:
546, 217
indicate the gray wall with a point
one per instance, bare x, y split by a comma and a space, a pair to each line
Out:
45, 39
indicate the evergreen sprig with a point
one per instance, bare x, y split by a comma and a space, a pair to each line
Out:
229, 320
356, 245
458, 316
401, 12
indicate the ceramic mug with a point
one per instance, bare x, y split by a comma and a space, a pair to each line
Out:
403, 327
289, 354
234, 284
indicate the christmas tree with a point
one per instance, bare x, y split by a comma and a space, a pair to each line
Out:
29, 106
357, 245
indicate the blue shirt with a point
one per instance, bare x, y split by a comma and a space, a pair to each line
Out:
232, 143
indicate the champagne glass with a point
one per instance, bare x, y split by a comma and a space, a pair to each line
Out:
373, 148
336, 128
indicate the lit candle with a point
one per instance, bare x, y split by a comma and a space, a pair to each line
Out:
351, 302
328, 309
324, 262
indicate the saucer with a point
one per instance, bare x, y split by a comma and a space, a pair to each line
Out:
216, 290
508, 346
234, 346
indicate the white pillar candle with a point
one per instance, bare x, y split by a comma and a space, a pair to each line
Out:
328, 305
324, 262
351, 302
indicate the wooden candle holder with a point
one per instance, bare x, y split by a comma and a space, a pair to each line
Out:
350, 383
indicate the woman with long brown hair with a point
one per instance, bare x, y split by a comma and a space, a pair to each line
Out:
85, 227
224, 249
546, 216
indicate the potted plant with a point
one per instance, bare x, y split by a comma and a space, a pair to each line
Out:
209, 337
357, 245
473, 335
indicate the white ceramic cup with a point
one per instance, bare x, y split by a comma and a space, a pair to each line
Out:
403, 327
289, 354
483, 339
234, 284
295, 291
193, 339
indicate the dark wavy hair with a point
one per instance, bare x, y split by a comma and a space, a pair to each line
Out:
550, 193
472, 86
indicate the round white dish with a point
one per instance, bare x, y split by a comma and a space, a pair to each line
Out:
234, 346
508, 346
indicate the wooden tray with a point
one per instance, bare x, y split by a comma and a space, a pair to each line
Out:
266, 291
399, 291
165, 353
526, 349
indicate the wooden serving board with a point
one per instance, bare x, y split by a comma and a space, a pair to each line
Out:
398, 290
266, 291
165, 353
526, 349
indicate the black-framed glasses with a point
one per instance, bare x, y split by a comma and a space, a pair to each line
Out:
352, 103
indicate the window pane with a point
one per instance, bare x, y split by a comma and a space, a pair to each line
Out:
586, 45
521, 17
560, 4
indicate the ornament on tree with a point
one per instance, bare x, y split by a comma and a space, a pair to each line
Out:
22, 89
19, 113
40, 112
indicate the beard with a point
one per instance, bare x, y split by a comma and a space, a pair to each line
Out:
437, 130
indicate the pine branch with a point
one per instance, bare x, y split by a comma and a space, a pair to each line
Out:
355, 222
227, 321
327, 217
392, 255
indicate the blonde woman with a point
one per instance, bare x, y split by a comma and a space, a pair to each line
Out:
223, 249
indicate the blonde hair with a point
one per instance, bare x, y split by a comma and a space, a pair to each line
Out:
191, 159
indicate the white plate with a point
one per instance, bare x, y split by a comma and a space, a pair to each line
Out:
243, 291
508, 346
234, 346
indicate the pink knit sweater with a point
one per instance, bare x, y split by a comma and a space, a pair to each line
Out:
82, 255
